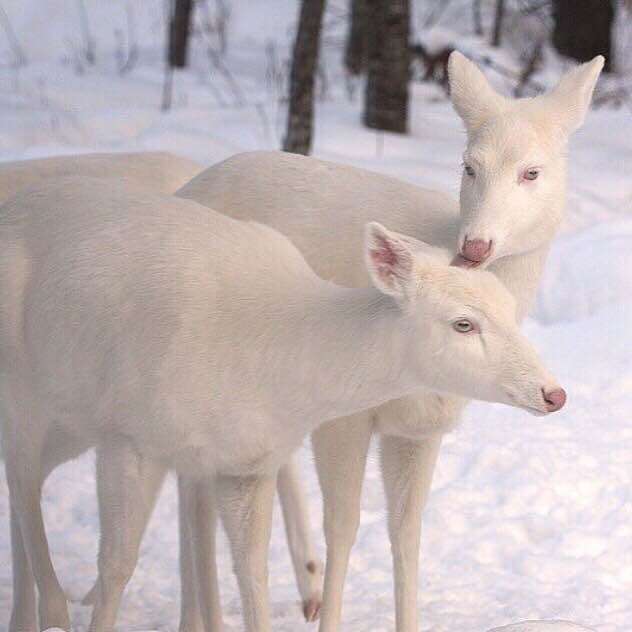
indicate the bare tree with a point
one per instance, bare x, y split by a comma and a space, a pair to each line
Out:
477, 17
584, 29
498, 22
179, 31
386, 100
298, 138
356, 48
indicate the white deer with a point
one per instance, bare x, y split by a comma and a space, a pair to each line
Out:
171, 336
511, 204
474, 100
163, 172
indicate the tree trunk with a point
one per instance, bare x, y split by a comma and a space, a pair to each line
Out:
477, 17
498, 22
304, 61
356, 49
179, 30
583, 29
386, 101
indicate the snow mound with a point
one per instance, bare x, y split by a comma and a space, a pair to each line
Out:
542, 626
586, 271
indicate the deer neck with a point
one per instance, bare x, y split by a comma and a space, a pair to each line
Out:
521, 275
346, 350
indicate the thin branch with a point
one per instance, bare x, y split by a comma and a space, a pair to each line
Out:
132, 42
167, 89
477, 17
88, 40
436, 12
12, 39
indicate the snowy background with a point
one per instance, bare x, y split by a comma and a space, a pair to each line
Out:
528, 518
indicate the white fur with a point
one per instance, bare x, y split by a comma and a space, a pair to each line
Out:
164, 173
321, 206
168, 335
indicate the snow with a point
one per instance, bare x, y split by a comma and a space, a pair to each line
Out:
542, 626
528, 518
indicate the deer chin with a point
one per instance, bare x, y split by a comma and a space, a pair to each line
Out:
460, 261
536, 412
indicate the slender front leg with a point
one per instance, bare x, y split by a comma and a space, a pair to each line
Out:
245, 505
24, 478
307, 567
121, 476
200, 599
24, 612
56, 448
407, 468
340, 450
151, 482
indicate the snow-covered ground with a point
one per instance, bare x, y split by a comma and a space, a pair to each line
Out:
529, 518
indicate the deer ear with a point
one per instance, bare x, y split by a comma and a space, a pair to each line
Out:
390, 262
472, 95
570, 99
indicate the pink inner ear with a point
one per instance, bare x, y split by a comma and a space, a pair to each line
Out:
384, 254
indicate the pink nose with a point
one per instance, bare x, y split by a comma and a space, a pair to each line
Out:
554, 399
476, 249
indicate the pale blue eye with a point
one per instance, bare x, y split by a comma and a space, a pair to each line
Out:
463, 326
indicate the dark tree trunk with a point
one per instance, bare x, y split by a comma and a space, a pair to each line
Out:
356, 49
179, 30
304, 62
498, 22
477, 17
386, 102
583, 29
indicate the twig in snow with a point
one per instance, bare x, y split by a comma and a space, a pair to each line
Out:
125, 65
435, 13
167, 89
533, 64
14, 43
89, 46
218, 63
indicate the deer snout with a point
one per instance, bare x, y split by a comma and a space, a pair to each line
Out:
477, 250
473, 253
554, 399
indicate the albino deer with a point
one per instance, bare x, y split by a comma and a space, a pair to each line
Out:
164, 173
511, 204
171, 336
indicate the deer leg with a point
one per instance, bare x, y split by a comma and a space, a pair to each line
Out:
31, 554
124, 505
151, 484
24, 611
245, 505
340, 450
307, 567
407, 468
200, 598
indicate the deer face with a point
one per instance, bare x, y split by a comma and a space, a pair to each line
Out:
514, 164
462, 326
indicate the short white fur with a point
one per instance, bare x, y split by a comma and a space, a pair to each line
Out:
168, 335
321, 207
160, 172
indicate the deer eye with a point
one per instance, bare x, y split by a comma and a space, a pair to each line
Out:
469, 170
463, 326
531, 174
